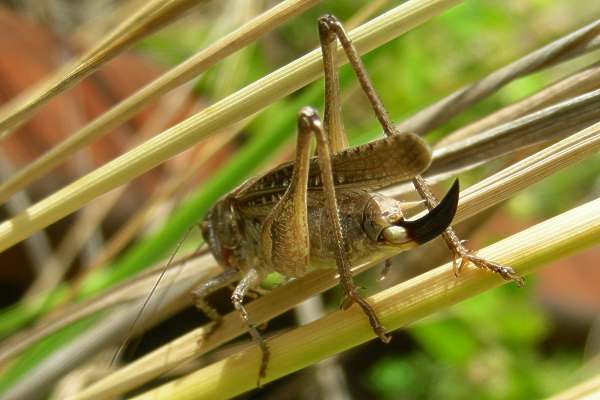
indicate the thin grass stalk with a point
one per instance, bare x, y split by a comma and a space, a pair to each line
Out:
576, 84
398, 306
187, 70
532, 169
146, 20
141, 217
135, 289
229, 176
22, 380
475, 199
544, 157
233, 108
549, 124
588, 389
575, 43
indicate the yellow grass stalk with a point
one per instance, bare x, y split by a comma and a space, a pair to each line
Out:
231, 109
574, 85
154, 15
187, 70
139, 219
477, 198
198, 269
132, 227
588, 389
397, 306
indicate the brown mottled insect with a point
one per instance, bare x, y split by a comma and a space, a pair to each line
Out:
321, 212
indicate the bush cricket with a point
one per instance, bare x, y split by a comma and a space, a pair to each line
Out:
321, 212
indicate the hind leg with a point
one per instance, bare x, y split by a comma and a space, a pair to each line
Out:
330, 29
285, 243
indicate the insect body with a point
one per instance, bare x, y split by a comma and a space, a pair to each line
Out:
322, 212
371, 222
319, 213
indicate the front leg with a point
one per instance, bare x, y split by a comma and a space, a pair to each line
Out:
251, 280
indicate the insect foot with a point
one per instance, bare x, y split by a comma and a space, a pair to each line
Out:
354, 297
465, 255
456, 245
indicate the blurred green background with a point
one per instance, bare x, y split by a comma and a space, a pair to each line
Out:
508, 343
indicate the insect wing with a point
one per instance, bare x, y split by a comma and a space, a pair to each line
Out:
371, 166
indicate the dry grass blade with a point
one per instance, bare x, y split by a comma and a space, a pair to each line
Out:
140, 219
571, 86
551, 123
398, 306
532, 169
148, 19
178, 75
112, 329
571, 45
21, 341
556, 121
226, 112
588, 389
475, 199
130, 291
